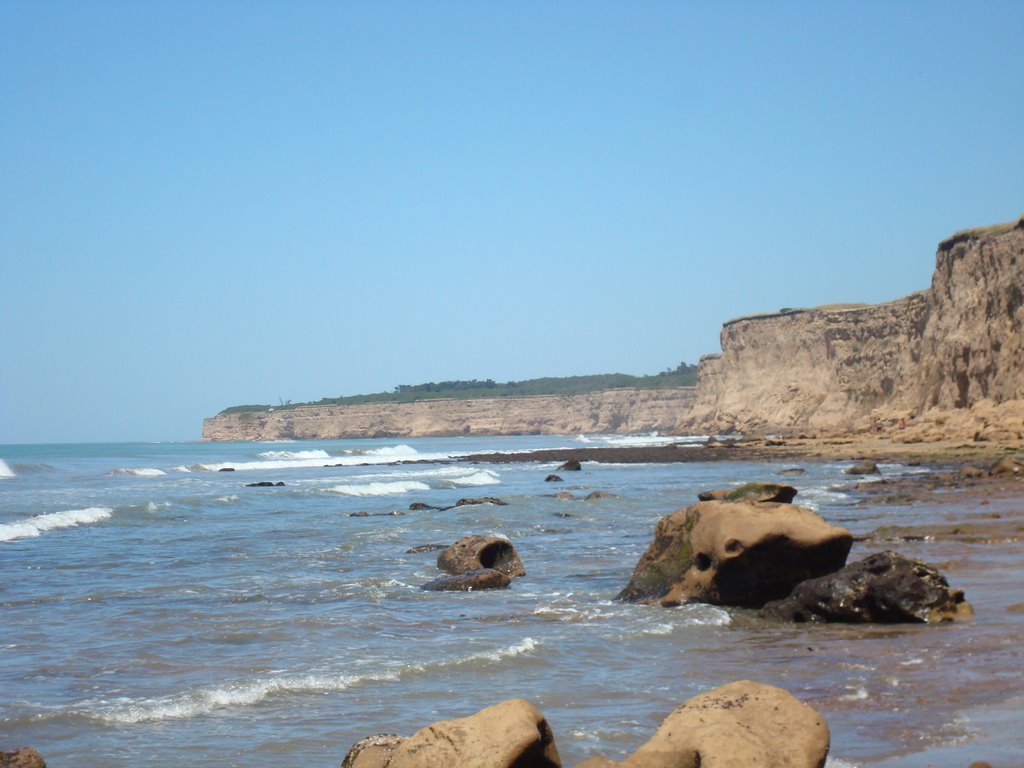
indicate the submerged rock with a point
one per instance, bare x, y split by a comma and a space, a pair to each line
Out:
735, 553
883, 588
264, 484
481, 500
512, 734
425, 548
865, 467
597, 495
740, 724
754, 492
474, 552
470, 581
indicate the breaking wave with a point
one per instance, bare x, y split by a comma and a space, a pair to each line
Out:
286, 455
5, 471
318, 458
246, 693
379, 489
639, 441
138, 471
34, 526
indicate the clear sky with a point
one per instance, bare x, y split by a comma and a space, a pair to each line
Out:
206, 204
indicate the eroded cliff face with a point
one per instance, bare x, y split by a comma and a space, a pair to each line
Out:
952, 346
612, 411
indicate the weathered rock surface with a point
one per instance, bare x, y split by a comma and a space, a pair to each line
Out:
950, 348
473, 552
469, 581
744, 724
572, 465
1008, 466
735, 553
26, 757
372, 752
612, 411
883, 588
482, 500
752, 492
512, 734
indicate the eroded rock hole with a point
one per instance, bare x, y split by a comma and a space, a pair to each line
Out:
702, 561
496, 554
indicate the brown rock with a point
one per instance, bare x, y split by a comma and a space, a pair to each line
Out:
595, 495
474, 552
744, 724
481, 500
470, 581
866, 467
753, 492
512, 734
1008, 465
572, 465
564, 496
883, 588
372, 752
552, 479
735, 553
26, 757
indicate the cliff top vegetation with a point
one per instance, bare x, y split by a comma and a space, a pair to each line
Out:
683, 375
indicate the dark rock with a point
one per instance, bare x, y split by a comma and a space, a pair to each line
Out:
426, 548
226, 469
475, 552
470, 581
481, 500
552, 479
595, 495
752, 492
735, 553
26, 757
865, 467
393, 513
572, 465
883, 588
418, 506
263, 484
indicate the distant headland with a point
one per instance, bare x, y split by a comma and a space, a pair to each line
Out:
947, 361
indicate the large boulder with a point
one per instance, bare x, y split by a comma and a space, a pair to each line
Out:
512, 734
735, 553
470, 581
475, 552
744, 724
885, 587
26, 757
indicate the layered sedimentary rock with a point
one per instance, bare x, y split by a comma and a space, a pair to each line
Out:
954, 346
611, 411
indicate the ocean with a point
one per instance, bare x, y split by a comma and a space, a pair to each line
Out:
159, 612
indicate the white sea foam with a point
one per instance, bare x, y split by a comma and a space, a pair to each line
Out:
640, 441
285, 455
386, 455
814, 498
379, 489
182, 468
138, 471
483, 477
34, 526
835, 762
5, 471
246, 693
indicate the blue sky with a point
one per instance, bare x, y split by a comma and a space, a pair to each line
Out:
206, 204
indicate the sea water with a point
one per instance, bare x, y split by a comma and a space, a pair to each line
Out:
157, 611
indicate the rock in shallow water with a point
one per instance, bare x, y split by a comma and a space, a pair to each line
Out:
754, 492
474, 552
740, 724
883, 588
729, 553
26, 757
470, 581
512, 734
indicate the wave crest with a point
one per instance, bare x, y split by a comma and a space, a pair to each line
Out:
34, 526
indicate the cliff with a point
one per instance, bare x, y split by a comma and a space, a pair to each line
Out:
956, 345
609, 411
